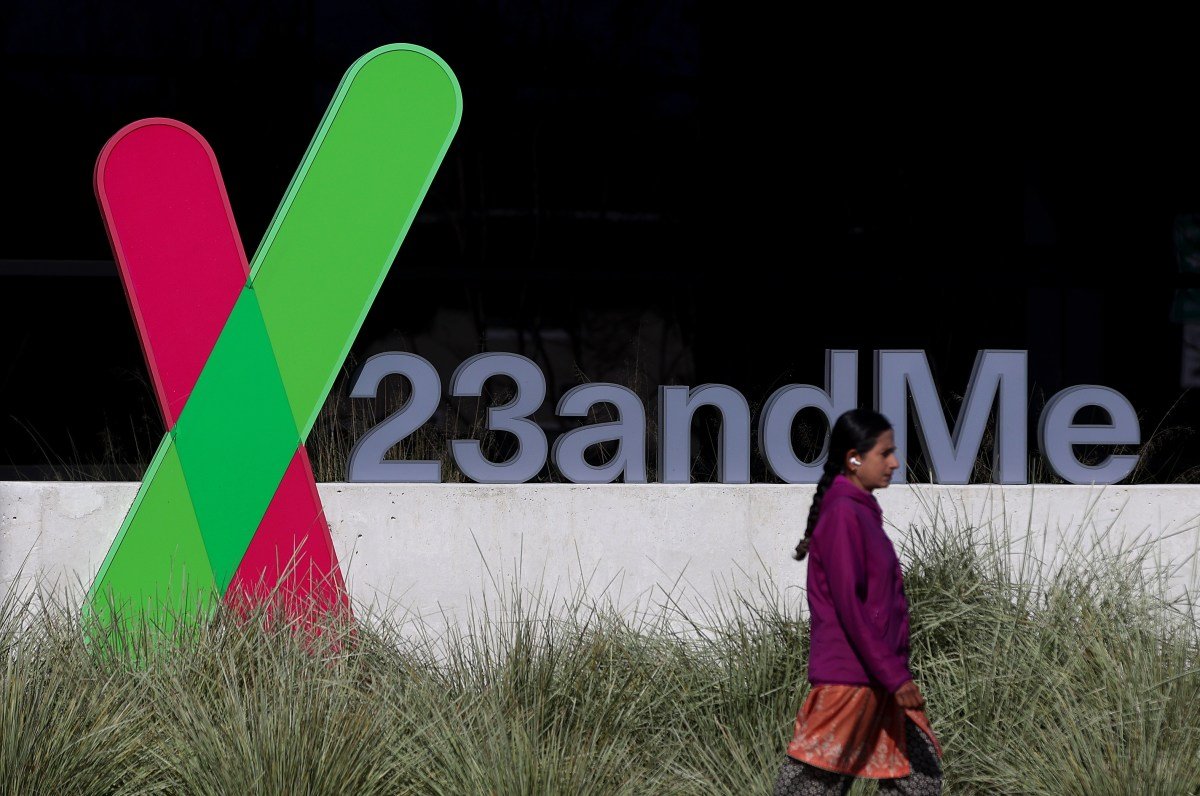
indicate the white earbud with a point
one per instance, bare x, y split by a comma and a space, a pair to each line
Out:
856, 461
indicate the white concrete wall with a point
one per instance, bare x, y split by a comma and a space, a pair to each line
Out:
429, 548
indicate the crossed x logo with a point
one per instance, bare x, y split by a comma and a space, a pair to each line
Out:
243, 354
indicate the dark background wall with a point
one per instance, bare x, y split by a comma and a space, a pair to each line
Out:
720, 194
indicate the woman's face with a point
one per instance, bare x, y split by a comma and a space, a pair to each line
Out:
877, 464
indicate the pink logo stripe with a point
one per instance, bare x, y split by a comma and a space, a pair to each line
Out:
177, 247
292, 552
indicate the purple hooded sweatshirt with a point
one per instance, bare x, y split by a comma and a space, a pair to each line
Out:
859, 633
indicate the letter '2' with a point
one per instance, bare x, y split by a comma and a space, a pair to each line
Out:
242, 355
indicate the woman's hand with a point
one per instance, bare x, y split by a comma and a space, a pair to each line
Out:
909, 696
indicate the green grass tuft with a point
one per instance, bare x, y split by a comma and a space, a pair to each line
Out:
1082, 681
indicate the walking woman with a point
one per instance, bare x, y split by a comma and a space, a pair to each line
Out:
864, 716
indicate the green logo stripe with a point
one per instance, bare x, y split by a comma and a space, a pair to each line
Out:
341, 223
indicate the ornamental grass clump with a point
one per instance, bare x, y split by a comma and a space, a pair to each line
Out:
1081, 678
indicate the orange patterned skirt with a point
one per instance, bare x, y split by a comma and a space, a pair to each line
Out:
856, 729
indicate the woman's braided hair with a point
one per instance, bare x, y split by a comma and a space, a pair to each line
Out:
857, 430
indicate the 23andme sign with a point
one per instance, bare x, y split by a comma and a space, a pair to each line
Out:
902, 378
243, 352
